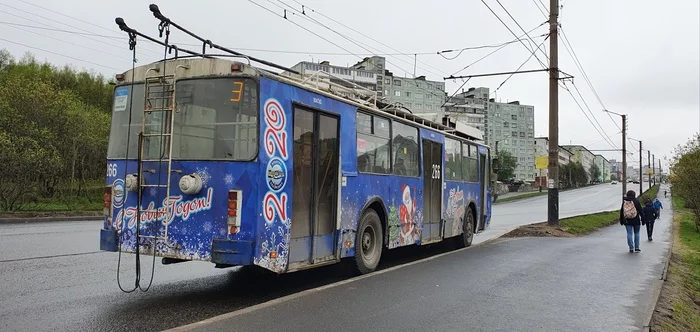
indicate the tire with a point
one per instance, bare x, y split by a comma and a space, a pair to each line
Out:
468, 228
368, 242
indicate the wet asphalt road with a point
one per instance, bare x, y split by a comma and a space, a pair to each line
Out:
53, 277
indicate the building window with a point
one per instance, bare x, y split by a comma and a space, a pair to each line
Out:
505, 125
397, 93
397, 82
470, 163
407, 94
514, 134
430, 86
514, 117
419, 96
405, 150
373, 136
387, 81
522, 134
419, 106
379, 78
386, 93
429, 96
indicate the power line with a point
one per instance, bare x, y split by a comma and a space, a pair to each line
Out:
570, 49
584, 113
540, 9
521, 65
511, 31
71, 43
68, 16
521, 28
473, 48
364, 35
59, 54
359, 44
591, 112
51, 26
60, 30
356, 42
498, 49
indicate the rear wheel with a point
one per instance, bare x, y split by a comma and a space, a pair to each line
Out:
468, 228
368, 243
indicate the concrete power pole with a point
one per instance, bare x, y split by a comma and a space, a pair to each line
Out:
624, 154
649, 166
553, 166
641, 174
653, 167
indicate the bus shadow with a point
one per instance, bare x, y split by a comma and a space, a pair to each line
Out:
184, 302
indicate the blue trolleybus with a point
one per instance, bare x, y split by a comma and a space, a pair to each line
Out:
217, 160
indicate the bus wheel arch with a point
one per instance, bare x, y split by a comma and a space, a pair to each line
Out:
469, 227
376, 204
370, 237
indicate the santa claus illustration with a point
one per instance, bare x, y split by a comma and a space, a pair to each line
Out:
406, 217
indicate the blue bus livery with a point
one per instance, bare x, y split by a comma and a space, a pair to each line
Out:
216, 160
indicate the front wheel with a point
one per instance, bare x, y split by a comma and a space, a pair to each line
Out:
368, 243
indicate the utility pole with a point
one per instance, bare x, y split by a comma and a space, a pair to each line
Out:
660, 165
553, 167
649, 166
641, 174
624, 154
653, 167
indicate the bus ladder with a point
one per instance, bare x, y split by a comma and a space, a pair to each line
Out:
157, 123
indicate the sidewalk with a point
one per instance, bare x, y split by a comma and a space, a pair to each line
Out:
525, 284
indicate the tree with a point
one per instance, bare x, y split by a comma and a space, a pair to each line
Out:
685, 175
506, 165
594, 171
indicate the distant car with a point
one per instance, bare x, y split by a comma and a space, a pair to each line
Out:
613, 182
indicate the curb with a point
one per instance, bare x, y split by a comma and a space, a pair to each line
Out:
20, 220
664, 276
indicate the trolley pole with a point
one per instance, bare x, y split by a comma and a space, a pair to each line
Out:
553, 165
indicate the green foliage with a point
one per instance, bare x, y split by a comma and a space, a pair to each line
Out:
685, 175
590, 222
573, 175
519, 197
54, 127
506, 165
594, 171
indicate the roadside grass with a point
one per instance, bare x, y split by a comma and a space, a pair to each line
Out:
519, 197
579, 225
64, 201
588, 223
678, 307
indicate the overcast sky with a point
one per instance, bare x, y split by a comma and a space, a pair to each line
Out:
642, 57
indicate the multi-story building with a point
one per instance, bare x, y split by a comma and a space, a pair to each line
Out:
417, 94
583, 156
542, 151
469, 107
604, 167
338, 74
512, 126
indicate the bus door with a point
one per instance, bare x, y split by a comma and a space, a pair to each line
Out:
432, 191
483, 185
315, 193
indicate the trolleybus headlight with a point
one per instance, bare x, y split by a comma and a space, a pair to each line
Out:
190, 184
131, 182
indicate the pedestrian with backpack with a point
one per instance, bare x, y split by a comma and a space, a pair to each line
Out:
631, 217
649, 215
658, 207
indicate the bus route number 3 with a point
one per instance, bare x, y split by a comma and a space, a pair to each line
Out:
111, 170
436, 171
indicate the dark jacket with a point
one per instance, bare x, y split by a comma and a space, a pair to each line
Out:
649, 213
640, 213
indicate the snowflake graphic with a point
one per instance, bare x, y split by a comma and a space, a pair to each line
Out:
204, 174
207, 226
228, 179
153, 192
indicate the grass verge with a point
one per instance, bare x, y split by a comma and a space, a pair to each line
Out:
579, 225
678, 308
519, 197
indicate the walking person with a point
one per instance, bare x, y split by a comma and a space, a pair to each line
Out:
658, 207
631, 217
665, 193
649, 215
